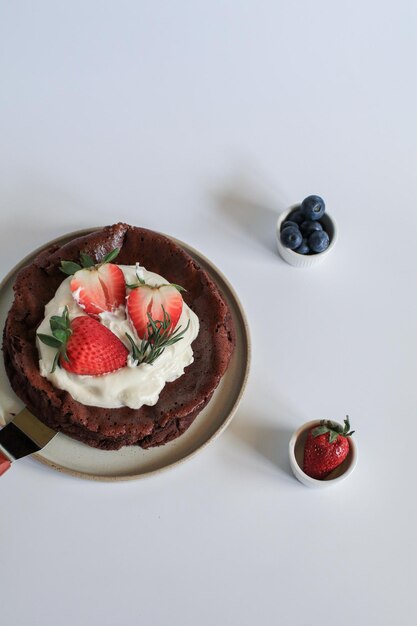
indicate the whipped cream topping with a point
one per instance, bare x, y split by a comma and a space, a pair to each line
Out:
133, 385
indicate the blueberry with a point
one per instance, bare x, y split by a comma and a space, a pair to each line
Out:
318, 241
309, 227
303, 249
313, 207
291, 237
296, 216
288, 223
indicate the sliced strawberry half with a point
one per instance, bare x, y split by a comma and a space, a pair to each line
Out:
84, 346
145, 301
99, 288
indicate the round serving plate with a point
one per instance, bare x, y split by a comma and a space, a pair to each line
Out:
70, 456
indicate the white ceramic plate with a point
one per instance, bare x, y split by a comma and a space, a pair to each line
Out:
67, 455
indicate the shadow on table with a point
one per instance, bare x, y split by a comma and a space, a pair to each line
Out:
269, 442
252, 217
249, 202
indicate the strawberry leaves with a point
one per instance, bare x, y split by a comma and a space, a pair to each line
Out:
109, 258
178, 287
334, 429
69, 267
61, 332
86, 262
141, 283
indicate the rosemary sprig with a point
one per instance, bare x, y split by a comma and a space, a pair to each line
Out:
158, 337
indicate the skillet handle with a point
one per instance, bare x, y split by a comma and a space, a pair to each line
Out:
4, 463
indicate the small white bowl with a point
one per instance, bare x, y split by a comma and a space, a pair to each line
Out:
306, 260
296, 452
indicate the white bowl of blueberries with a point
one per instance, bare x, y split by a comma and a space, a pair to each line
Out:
306, 234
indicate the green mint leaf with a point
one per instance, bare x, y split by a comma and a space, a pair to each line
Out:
111, 256
69, 267
86, 260
50, 341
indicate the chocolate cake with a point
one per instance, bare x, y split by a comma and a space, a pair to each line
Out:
179, 402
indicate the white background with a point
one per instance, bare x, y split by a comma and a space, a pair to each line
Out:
204, 120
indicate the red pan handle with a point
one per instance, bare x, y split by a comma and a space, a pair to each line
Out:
4, 463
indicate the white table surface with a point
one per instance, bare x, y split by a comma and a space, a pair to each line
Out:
204, 120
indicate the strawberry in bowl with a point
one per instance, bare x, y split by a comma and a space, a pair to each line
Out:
326, 448
323, 453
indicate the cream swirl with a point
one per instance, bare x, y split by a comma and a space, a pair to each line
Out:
134, 385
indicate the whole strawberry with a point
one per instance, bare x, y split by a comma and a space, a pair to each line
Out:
84, 346
326, 448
